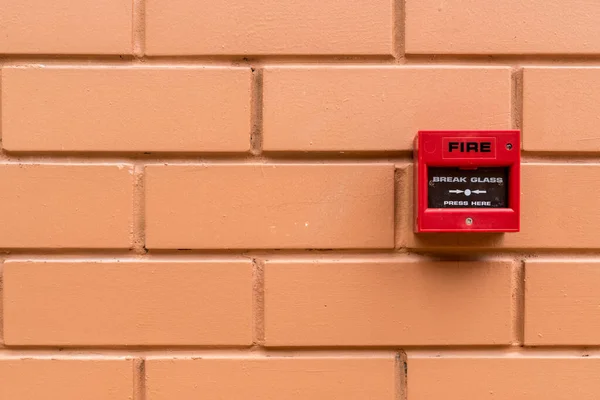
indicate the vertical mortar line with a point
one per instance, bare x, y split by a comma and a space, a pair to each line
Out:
403, 205
139, 28
3, 155
518, 303
517, 99
401, 370
256, 113
1, 303
258, 303
139, 379
398, 181
399, 30
139, 210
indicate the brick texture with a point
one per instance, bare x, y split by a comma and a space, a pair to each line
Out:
454, 378
67, 27
268, 27
133, 303
502, 27
66, 206
564, 217
562, 302
126, 109
214, 199
560, 109
387, 302
272, 378
378, 108
270, 206
67, 379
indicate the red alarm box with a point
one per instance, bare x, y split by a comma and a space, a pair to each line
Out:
467, 181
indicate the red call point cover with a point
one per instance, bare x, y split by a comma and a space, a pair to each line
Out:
467, 181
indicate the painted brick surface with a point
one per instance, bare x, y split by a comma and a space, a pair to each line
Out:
126, 109
186, 27
559, 109
66, 206
272, 378
553, 378
562, 302
270, 206
507, 27
378, 108
66, 27
68, 379
133, 303
386, 302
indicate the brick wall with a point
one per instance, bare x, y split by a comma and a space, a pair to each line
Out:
212, 199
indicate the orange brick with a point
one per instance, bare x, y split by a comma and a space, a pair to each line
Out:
269, 27
386, 302
502, 27
560, 109
378, 108
127, 303
1, 305
558, 211
270, 206
562, 302
126, 109
64, 26
66, 379
509, 378
272, 378
66, 206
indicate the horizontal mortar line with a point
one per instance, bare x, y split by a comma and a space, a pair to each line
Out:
182, 254
567, 157
401, 251
200, 157
503, 59
321, 61
472, 252
261, 60
458, 348
59, 58
358, 256
358, 352
428, 254
190, 352
516, 352
404, 157
46, 252
218, 60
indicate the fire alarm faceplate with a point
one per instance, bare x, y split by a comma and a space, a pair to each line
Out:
467, 181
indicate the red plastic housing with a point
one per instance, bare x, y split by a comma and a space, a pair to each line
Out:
467, 150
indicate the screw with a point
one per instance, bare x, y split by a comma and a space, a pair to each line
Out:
469, 221
431, 183
508, 146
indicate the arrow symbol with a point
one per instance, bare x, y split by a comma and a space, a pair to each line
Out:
479, 191
455, 191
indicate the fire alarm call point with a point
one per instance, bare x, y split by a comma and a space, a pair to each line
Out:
467, 181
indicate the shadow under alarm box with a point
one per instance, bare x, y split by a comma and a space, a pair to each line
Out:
467, 181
